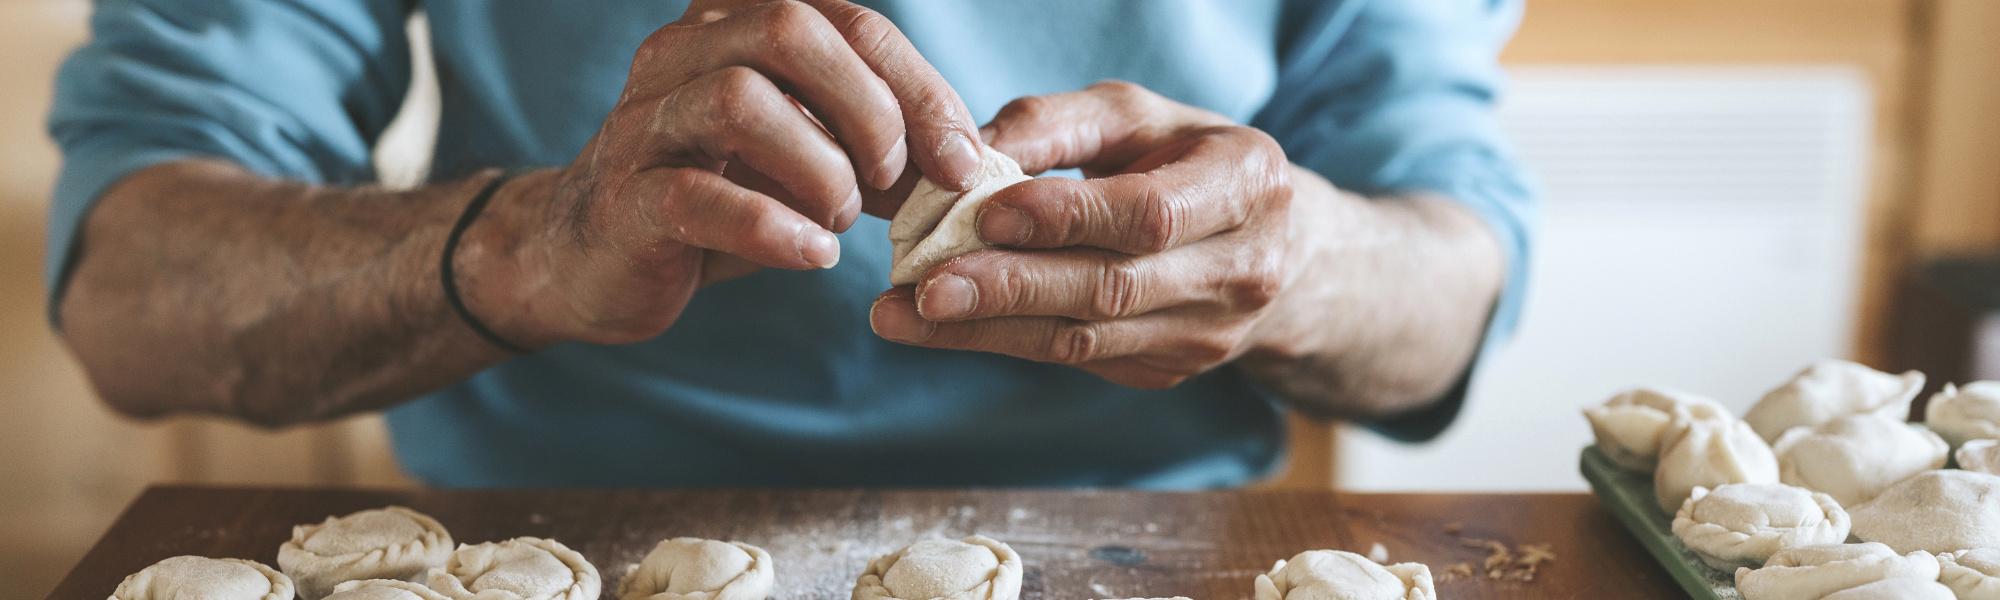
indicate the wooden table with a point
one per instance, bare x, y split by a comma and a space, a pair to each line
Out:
1076, 544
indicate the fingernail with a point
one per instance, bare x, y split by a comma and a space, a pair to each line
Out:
849, 211
818, 247
891, 168
947, 297
894, 322
1005, 225
958, 159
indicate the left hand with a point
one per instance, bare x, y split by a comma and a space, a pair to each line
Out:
1155, 269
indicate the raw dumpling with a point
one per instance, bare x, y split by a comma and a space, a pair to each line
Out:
523, 568
1336, 575
1963, 414
1935, 511
1832, 388
937, 224
1812, 572
1979, 455
383, 589
1972, 574
696, 569
384, 543
1743, 524
205, 578
976, 568
1709, 454
1900, 588
1629, 425
1855, 457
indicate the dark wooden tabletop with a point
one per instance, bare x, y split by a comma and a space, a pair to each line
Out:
1076, 544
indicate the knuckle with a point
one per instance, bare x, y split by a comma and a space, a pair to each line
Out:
1026, 108
1117, 292
868, 31
1256, 282
1074, 344
787, 19
1161, 219
734, 90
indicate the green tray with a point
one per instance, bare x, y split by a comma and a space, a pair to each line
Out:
1629, 496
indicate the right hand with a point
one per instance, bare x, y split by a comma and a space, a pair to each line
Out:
707, 168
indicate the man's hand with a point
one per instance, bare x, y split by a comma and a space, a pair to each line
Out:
742, 140
1157, 268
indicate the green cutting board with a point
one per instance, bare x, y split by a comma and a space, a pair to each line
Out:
1629, 496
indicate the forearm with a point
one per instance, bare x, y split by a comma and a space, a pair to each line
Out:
205, 289
1388, 305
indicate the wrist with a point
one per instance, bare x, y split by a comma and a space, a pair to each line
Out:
504, 262
1293, 326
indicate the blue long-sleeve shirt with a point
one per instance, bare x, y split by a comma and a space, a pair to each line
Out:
776, 379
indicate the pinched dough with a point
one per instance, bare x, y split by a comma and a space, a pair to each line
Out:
1963, 414
384, 543
185, 577
523, 568
1971, 574
936, 224
1900, 588
1935, 511
1710, 453
1833, 388
1337, 575
688, 568
1855, 457
383, 589
1630, 426
1743, 524
1979, 455
976, 568
1812, 572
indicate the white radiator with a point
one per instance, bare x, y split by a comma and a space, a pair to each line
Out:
1700, 229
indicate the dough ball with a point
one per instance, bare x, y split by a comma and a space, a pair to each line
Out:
1630, 425
383, 589
1854, 457
937, 224
384, 543
976, 568
1963, 414
1812, 572
1833, 388
1743, 524
1337, 575
697, 569
1708, 454
1935, 511
523, 568
1979, 455
1900, 588
1971, 574
183, 577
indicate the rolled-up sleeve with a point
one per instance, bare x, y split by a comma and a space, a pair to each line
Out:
297, 89
1387, 97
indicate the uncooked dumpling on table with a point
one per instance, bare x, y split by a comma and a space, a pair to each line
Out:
688, 568
1963, 414
1812, 572
384, 543
1946, 510
1833, 388
976, 568
523, 568
1709, 454
936, 224
1743, 524
1979, 455
383, 589
1630, 425
1337, 575
1855, 457
1900, 588
1971, 574
190, 577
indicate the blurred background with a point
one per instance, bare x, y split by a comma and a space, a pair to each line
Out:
1734, 188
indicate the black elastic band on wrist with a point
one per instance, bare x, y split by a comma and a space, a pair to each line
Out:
445, 273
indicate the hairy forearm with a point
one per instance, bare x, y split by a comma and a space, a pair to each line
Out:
202, 288
1387, 307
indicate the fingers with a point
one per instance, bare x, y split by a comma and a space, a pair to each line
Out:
705, 210
1102, 128
1160, 337
735, 115
1098, 285
941, 132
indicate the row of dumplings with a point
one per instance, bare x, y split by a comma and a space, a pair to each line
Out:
1822, 488
395, 553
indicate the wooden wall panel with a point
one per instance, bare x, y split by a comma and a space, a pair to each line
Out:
1957, 206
